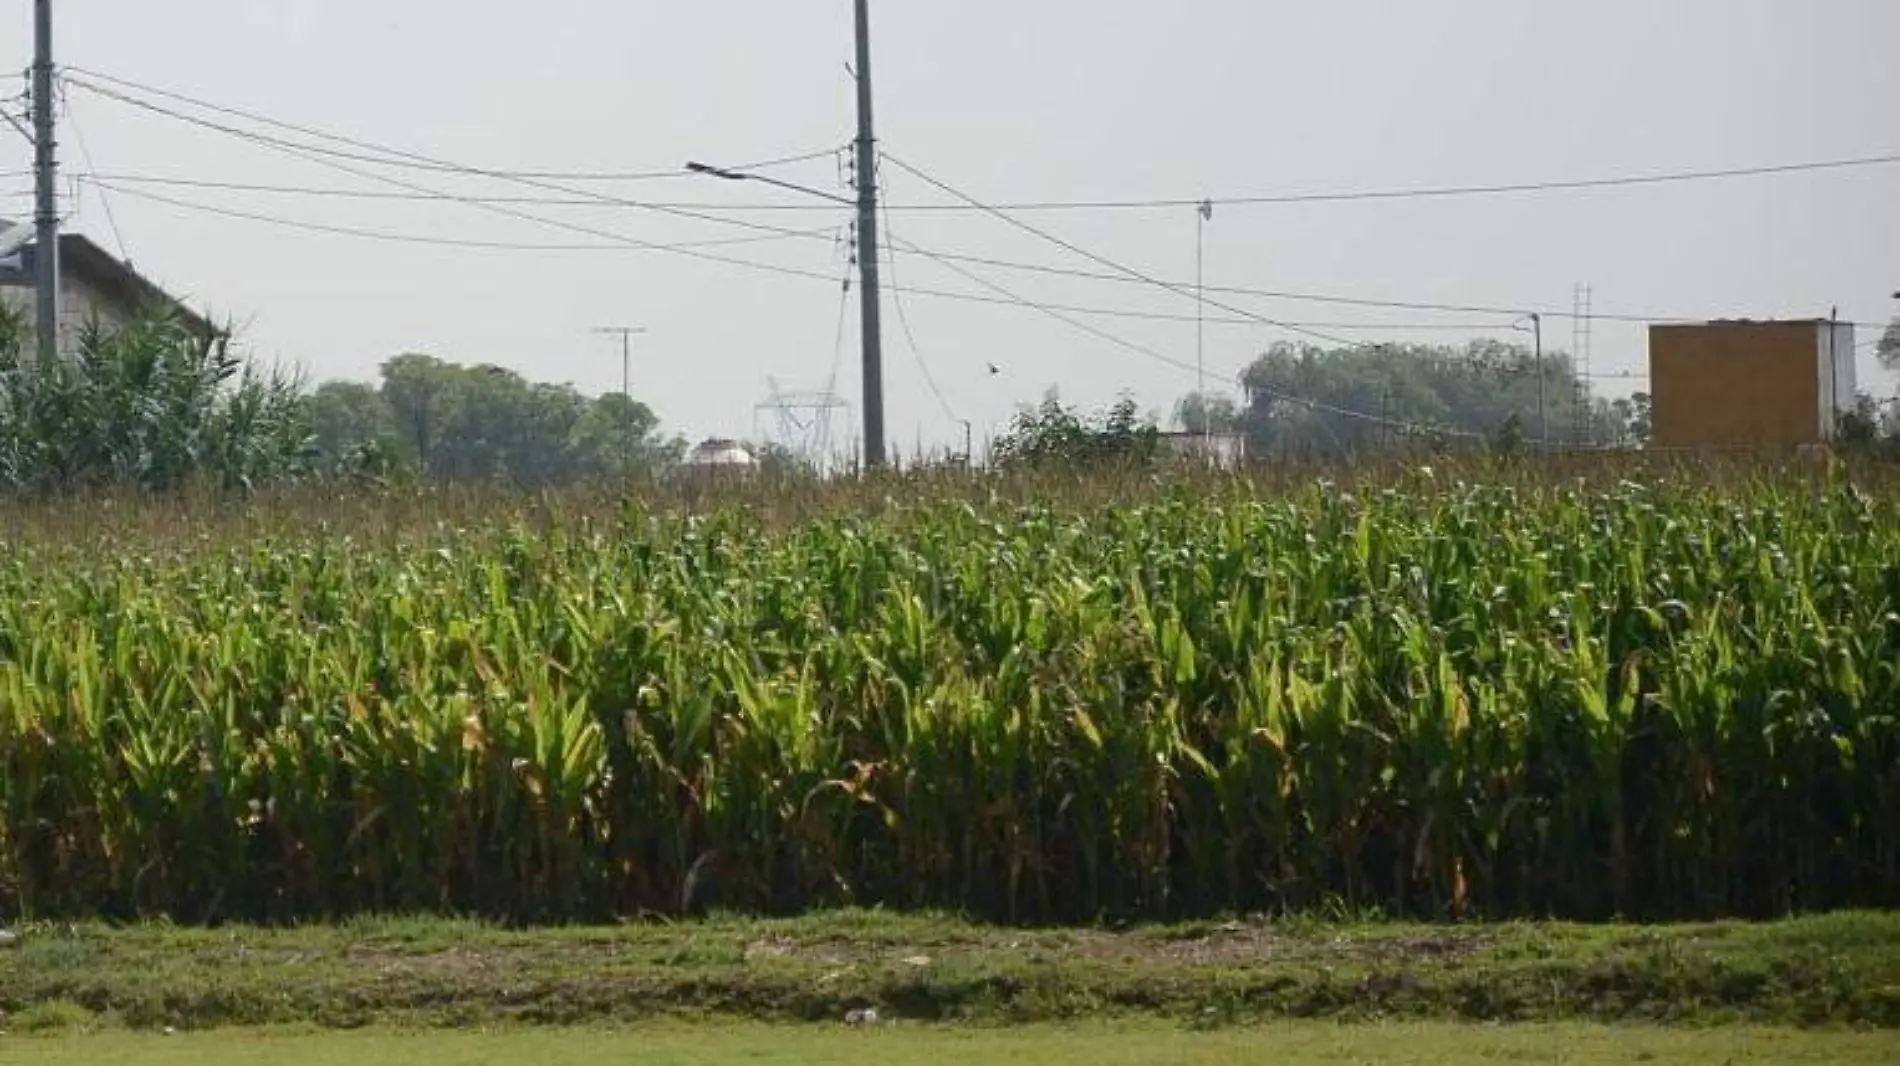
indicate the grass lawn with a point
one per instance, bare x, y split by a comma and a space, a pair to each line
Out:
1094, 1045
1837, 970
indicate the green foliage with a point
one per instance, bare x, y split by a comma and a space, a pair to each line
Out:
1868, 429
1195, 413
1053, 434
1887, 349
484, 423
1823, 973
1653, 698
154, 405
1312, 402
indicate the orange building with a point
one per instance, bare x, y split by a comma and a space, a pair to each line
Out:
1750, 384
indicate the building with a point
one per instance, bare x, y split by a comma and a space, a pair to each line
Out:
717, 460
1744, 384
94, 286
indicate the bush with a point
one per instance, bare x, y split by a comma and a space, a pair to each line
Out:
154, 405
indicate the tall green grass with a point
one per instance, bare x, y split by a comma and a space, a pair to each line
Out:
1668, 696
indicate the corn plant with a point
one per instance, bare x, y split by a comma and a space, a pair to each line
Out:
1643, 696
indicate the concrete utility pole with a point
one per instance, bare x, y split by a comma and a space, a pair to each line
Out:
871, 317
1204, 213
1543, 416
45, 176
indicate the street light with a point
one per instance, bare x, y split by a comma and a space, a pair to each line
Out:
724, 174
869, 306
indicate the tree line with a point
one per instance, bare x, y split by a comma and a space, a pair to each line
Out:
1303, 401
157, 405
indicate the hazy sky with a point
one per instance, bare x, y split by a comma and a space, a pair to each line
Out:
1008, 100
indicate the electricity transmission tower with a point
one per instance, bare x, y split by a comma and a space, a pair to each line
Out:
804, 421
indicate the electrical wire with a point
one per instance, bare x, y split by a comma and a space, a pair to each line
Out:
619, 243
1025, 302
1444, 191
380, 195
1362, 416
85, 151
1182, 365
315, 154
1004, 264
420, 239
910, 338
1321, 197
414, 161
1103, 260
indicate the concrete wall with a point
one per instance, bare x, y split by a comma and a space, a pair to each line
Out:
1745, 384
78, 302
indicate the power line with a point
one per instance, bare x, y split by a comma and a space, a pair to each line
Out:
1005, 264
311, 153
1322, 298
323, 192
1025, 302
624, 245
420, 239
112, 218
413, 161
619, 241
817, 234
685, 247
1267, 199
1362, 416
910, 338
1444, 191
1102, 260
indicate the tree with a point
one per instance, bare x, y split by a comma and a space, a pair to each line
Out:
345, 416
1887, 349
1630, 420
414, 389
466, 423
619, 437
1195, 413
1318, 402
1053, 433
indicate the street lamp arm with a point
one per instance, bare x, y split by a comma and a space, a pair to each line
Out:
738, 175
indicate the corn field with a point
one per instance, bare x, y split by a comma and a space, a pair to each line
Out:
1652, 698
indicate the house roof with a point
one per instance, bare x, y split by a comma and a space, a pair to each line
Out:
114, 279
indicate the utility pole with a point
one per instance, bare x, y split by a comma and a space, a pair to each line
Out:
871, 319
45, 175
625, 333
1204, 213
1543, 415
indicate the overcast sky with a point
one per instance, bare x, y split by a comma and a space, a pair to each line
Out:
1007, 100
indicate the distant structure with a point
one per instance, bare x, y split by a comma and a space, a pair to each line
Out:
1745, 384
804, 421
720, 454
94, 286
